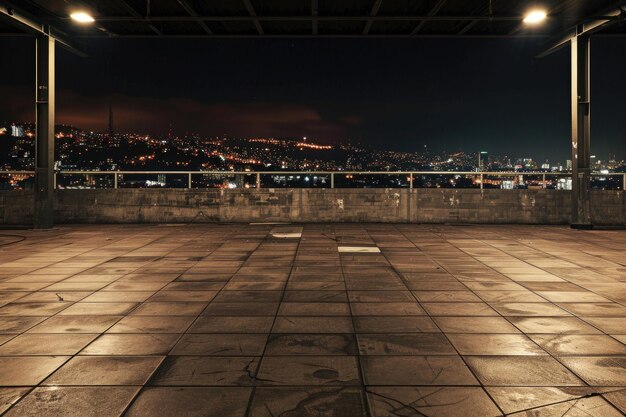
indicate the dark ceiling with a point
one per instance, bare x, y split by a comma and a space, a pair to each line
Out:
305, 18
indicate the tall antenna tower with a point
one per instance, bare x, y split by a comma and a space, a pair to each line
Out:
111, 131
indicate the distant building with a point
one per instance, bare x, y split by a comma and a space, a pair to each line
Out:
568, 164
483, 160
17, 131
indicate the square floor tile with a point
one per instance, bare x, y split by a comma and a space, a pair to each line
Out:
169, 309
529, 309
574, 344
380, 296
309, 370
515, 399
152, 324
19, 324
459, 309
599, 370
241, 309
431, 402
207, 371
416, 370
75, 324
27, 370
119, 296
53, 297
510, 296
131, 344
248, 296
495, 344
311, 344
521, 371
308, 402
313, 325
221, 344
236, 324
106, 309
180, 296
595, 309
105, 370
452, 324
315, 296
190, 401
33, 309
405, 344
562, 325
314, 309
617, 397
607, 324
446, 296
395, 324
9, 396
571, 296
74, 401
387, 309
46, 344
588, 407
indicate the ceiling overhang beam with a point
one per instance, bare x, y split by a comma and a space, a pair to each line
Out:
31, 25
431, 13
254, 17
192, 13
135, 14
434, 18
586, 28
373, 13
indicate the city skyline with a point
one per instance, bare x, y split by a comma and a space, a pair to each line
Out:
114, 151
371, 92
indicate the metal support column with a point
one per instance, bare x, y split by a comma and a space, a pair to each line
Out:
581, 132
44, 148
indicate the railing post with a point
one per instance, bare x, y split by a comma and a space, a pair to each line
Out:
481, 180
115, 180
189, 180
411, 181
624, 182
258, 180
332, 180
54, 181
543, 181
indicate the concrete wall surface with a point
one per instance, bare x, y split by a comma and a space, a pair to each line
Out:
314, 205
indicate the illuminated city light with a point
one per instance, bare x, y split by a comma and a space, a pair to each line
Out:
82, 17
312, 146
535, 16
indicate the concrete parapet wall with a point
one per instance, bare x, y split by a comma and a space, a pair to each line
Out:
314, 205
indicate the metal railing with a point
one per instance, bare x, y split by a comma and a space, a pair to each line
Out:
322, 179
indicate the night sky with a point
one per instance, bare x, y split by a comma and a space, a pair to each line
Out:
466, 94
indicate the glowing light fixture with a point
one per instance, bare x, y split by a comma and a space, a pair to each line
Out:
82, 17
535, 16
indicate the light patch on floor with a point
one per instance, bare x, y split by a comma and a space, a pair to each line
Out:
286, 232
358, 249
287, 235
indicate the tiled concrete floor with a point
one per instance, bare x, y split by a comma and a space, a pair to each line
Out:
229, 320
